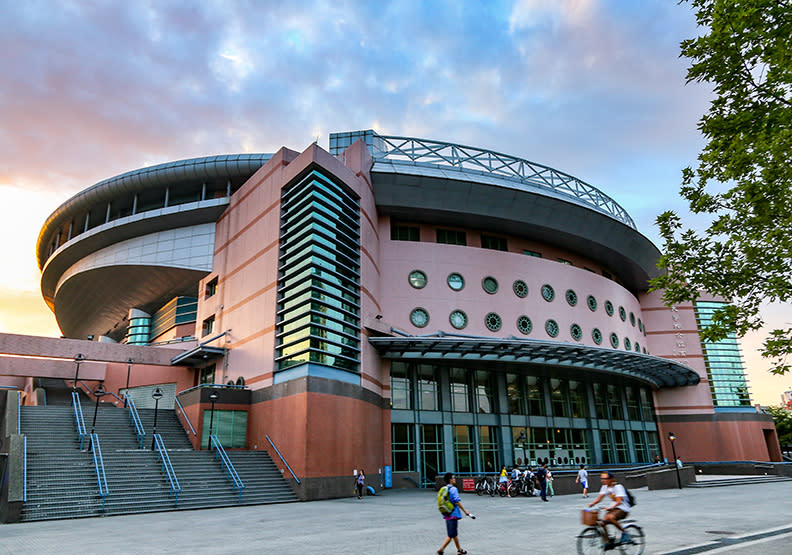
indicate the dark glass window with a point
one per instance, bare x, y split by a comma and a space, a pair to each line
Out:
403, 447
558, 397
532, 253
494, 243
207, 326
484, 397
514, 394
402, 232
401, 388
464, 451
211, 288
577, 399
534, 395
459, 390
451, 237
427, 387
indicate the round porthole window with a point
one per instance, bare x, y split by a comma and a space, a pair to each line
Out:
417, 279
551, 327
571, 297
622, 314
456, 281
596, 336
458, 319
520, 288
575, 332
490, 285
591, 302
614, 339
632, 319
637, 347
493, 321
640, 325
524, 325
609, 308
419, 317
548, 293
644, 351
627, 344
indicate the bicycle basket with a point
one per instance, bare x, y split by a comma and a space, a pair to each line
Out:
589, 517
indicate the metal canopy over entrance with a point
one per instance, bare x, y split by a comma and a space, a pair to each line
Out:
656, 371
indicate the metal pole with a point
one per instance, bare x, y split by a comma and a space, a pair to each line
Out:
211, 419
671, 438
78, 359
129, 367
154, 435
96, 410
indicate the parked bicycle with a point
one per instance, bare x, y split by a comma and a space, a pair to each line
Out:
592, 539
485, 486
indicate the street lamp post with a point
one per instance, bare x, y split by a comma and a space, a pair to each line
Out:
672, 439
99, 393
212, 398
129, 367
78, 359
156, 395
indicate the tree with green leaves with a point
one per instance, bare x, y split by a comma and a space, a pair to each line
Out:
743, 181
783, 423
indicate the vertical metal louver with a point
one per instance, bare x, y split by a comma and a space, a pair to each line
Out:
318, 319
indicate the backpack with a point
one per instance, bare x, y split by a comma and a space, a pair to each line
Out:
444, 504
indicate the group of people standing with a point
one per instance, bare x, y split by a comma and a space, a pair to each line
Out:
542, 479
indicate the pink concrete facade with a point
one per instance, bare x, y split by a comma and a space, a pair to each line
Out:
330, 420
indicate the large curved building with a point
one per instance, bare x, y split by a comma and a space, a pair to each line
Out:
400, 302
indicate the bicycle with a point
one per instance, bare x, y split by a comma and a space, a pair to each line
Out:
485, 487
591, 539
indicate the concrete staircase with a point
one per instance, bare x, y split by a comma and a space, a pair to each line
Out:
62, 480
738, 481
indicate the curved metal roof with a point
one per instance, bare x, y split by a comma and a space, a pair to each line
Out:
656, 371
207, 167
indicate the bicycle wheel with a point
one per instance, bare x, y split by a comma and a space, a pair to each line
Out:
589, 541
479, 488
491, 490
637, 542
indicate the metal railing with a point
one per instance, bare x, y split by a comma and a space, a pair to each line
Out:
296, 479
24, 469
91, 391
134, 420
184, 414
101, 479
428, 153
167, 468
78, 418
231, 472
19, 412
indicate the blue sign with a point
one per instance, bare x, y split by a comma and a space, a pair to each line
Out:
388, 476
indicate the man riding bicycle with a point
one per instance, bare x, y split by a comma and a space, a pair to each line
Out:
617, 511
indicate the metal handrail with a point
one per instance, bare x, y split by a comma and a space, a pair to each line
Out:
19, 412
231, 472
78, 418
91, 391
101, 479
283, 460
186, 418
212, 386
167, 467
134, 420
24, 469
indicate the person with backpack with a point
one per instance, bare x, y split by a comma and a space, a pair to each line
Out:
450, 506
360, 483
541, 475
618, 510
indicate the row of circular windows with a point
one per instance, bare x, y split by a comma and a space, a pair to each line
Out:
459, 320
455, 281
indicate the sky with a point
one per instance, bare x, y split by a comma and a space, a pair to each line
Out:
92, 89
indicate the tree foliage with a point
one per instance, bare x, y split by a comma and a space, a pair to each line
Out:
783, 423
743, 180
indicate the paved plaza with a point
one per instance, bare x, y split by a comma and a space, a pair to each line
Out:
736, 519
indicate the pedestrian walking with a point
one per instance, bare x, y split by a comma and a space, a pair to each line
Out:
541, 475
360, 483
550, 490
582, 479
452, 519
